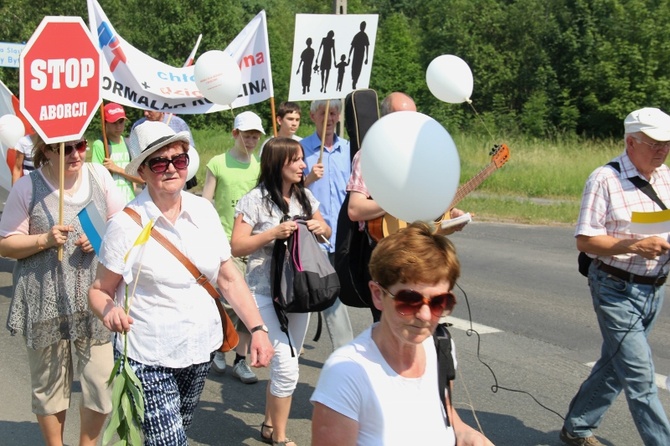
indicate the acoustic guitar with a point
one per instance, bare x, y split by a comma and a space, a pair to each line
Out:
380, 227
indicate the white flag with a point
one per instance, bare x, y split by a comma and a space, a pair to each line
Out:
134, 79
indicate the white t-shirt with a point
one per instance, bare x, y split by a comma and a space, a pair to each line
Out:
390, 409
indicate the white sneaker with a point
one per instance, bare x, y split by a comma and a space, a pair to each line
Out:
219, 363
244, 373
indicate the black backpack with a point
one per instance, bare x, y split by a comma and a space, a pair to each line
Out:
446, 371
301, 276
353, 249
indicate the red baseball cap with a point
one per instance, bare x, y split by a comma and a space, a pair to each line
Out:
114, 112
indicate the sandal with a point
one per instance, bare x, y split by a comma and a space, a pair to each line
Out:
284, 442
266, 438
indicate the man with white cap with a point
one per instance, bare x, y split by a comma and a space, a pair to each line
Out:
627, 280
229, 176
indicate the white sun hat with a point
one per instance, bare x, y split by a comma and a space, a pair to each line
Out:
147, 138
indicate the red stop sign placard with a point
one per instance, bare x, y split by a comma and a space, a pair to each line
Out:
60, 79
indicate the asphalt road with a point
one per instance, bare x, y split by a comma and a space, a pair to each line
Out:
537, 335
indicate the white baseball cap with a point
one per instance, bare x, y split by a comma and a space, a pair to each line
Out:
651, 121
248, 121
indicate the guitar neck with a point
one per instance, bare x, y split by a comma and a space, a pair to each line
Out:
472, 184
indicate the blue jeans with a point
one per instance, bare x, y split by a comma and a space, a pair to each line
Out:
626, 313
337, 320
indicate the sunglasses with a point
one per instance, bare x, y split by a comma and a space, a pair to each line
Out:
80, 146
160, 164
409, 302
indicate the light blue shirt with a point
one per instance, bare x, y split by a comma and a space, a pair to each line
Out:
331, 189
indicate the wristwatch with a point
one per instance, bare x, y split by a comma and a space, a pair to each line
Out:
262, 327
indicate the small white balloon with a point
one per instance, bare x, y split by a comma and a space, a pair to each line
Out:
218, 77
449, 78
11, 130
193, 163
410, 165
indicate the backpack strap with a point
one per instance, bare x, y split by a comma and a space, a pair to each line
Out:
279, 253
446, 372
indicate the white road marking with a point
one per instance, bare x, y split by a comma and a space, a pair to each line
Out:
465, 325
662, 381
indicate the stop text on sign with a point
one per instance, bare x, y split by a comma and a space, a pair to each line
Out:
54, 73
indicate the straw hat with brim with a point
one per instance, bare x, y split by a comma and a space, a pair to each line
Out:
147, 138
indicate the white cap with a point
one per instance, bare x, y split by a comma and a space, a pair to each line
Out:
650, 121
248, 121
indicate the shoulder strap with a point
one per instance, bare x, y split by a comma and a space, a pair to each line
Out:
199, 277
96, 178
641, 184
446, 372
230, 336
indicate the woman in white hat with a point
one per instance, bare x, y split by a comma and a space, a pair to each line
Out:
173, 325
49, 306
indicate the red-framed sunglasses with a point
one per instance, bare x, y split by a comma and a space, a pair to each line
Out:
161, 164
409, 302
69, 147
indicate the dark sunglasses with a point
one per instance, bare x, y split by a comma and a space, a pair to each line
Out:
409, 302
80, 146
160, 164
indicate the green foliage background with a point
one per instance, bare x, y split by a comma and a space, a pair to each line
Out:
560, 68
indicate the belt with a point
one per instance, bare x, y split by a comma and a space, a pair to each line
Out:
630, 277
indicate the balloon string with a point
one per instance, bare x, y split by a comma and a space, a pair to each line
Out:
481, 119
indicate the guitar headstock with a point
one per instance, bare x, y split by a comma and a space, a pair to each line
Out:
499, 155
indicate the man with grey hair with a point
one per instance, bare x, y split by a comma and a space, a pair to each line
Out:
627, 281
326, 175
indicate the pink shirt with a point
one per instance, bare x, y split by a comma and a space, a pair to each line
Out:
15, 216
356, 182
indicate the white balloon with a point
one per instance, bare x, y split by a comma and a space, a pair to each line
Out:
11, 130
449, 78
218, 77
193, 163
410, 165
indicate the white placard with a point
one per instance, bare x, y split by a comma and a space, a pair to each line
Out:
332, 55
